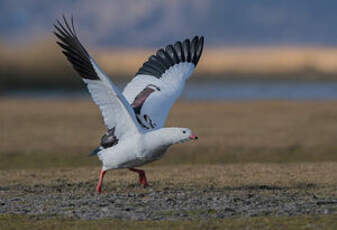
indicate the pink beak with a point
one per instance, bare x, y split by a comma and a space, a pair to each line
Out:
193, 137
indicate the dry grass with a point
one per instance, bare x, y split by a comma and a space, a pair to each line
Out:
244, 60
269, 60
56, 133
41, 63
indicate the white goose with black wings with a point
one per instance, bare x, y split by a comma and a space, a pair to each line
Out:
136, 117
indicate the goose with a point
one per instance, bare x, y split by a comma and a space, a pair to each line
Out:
134, 118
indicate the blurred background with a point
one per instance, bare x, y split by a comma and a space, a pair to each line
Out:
265, 88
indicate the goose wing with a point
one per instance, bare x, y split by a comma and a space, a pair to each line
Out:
116, 110
161, 80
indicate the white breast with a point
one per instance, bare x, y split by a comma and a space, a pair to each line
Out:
123, 154
133, 151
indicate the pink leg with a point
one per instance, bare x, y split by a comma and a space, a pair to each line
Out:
142, 176
100, 182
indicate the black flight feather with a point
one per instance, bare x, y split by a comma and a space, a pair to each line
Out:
73, 49
187, 51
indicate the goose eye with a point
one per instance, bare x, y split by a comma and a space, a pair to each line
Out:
184, 131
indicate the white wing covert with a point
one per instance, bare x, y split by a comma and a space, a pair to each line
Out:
116, 110
161, 80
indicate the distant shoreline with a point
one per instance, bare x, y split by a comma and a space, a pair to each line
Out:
210, 90
73, 82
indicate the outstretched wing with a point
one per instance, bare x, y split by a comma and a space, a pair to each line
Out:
116, 110
161, 80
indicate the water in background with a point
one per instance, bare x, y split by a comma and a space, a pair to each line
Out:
261, 90
220, 90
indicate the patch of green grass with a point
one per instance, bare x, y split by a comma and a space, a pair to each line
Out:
177, 156
295, 222
40, 160
212, 155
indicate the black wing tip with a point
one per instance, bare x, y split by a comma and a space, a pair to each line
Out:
64, 27
198, 50
188, 50
73, 49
